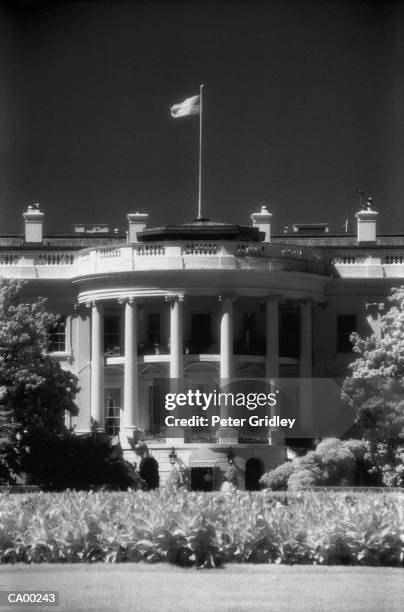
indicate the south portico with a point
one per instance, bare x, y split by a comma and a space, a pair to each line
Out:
201, 301
175, 357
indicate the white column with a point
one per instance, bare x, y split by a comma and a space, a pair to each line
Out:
130, 402
97, 364
176, 338
275, 437
227, 435
272, 339
226, 337
305, 366
176, 434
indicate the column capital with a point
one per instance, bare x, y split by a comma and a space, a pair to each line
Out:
306, 301
221, 297
128, 300
174, 298
289, 302
297, 302
91, 303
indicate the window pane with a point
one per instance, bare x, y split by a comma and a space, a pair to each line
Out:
112, 335
57, 337
153, 327
112, 411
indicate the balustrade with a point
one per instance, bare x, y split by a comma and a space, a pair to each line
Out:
292, 251
54, 259
250, 250
110, 253
9, 259
200, 248
149, 249
393, 259
348, 259
131, 257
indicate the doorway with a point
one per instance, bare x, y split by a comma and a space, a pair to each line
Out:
149, 471
254, 469
202, 479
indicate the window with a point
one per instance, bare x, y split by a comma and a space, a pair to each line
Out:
346, 324
201, 332
289, 334
153, 328
249, 329
112, 411
112, 335
57, 336
155, 403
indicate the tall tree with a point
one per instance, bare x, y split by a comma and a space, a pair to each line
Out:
376, 388
36, 392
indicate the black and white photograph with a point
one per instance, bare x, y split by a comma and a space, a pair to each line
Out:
202, 305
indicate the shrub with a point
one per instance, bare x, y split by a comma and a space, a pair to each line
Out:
337, 462
305, 478
277, 479
357, 448
332, 463
78, 462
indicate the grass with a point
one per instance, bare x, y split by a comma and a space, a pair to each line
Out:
237, 588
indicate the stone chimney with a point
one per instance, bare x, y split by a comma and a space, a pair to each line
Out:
33, 218
366, 227
137, 223
262, 220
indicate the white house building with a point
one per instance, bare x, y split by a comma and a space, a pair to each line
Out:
202, 300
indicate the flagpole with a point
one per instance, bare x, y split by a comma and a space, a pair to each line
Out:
200, 154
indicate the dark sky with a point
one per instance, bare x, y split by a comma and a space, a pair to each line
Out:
304, 101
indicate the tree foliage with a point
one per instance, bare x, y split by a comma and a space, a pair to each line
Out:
376, 383
35, 392
376, 388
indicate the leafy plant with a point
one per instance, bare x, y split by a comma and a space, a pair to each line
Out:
191, 528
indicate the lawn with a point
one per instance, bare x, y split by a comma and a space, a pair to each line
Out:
255, 588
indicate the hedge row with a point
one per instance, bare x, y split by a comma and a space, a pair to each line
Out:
203, 530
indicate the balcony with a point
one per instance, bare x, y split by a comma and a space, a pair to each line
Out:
18, 262
161, 256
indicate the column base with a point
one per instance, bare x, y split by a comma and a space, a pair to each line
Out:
228, 435
124, 434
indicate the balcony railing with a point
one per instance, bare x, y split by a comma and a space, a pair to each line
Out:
195, 255
376, 264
